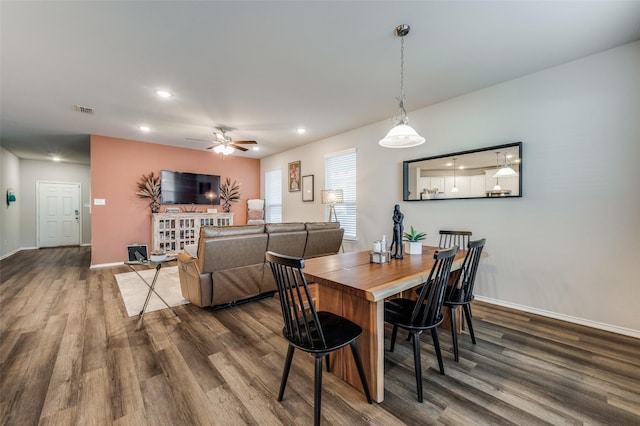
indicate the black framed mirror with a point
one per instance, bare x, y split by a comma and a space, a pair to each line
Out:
491, 172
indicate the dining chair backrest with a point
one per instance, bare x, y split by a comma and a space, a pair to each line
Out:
429, 313
462, 291
301, 324
454, 238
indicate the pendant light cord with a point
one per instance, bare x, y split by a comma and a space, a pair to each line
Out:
403, 112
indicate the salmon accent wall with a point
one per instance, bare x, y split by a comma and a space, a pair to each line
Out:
116, 167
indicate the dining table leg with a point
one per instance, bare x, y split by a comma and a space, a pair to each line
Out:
368, 315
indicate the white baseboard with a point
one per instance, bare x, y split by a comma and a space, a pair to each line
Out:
11, 253
562, 317
85, 244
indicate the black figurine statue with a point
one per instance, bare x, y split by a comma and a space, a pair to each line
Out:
398, 231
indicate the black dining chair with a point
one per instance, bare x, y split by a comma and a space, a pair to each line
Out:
423, 314
461, 293
454, 238
315, 332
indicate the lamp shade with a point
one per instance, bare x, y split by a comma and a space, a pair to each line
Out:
505, 172
332, 196
401, 136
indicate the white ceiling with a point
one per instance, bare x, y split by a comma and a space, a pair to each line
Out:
265, 68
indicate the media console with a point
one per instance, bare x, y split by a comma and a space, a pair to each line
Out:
171, 232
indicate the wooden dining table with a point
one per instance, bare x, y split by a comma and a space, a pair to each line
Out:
351, 286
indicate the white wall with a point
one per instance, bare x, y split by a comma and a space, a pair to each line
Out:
32, 171
10, 217
568, 247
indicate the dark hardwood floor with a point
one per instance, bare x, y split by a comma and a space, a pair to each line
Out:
69, 355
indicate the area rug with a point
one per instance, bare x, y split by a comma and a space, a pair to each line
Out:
134, 291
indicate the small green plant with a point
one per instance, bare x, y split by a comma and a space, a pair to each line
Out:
414, 236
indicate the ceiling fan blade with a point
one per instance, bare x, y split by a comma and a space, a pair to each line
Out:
240, 148
246, 142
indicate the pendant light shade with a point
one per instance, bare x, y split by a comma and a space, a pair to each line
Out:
401, 135
506, 170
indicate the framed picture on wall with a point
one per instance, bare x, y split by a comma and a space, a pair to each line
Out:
307, 188
294, 176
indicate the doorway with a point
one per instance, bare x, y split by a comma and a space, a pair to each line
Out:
58, 213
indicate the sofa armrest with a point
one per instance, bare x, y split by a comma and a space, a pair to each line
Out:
194, 285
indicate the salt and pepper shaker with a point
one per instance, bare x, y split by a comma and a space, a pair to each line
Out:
384, 244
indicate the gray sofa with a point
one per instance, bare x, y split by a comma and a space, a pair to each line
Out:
230, 264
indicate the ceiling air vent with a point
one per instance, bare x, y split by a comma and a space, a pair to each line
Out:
84, 110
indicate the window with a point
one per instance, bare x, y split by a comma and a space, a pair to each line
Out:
273, 196
340, 172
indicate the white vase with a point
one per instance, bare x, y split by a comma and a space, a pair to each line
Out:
413, 247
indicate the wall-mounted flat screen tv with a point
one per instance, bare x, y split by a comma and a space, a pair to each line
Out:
189, 188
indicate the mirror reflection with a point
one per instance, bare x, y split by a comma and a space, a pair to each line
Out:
491, 172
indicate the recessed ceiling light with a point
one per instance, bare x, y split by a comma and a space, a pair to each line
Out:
163, 93
256, 148
56, 158
301, 130
144, 128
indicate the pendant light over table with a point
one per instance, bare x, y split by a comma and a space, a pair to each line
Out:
401, 135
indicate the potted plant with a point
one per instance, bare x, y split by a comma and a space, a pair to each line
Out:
413, 239
149, 187
229, 192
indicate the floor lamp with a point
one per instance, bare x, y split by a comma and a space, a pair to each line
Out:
332, 197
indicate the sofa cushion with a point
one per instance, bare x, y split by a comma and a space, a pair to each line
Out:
287, 238
284, 227
232, 251
255, 204
255, 214
313, 226
223, 231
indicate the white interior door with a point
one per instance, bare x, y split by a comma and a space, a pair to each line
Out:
58, 214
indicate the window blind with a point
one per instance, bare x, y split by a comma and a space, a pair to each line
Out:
340, 172
273, 196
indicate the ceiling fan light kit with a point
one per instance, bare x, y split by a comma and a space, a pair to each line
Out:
401, 135
224, 145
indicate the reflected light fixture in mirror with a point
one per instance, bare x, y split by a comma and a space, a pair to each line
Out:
497, 187
401, 135
455, 188
506, 170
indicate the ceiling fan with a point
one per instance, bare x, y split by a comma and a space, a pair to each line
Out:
224, 144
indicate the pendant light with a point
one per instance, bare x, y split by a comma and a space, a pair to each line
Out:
455, 188
402, 135
497, 185
506, 170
